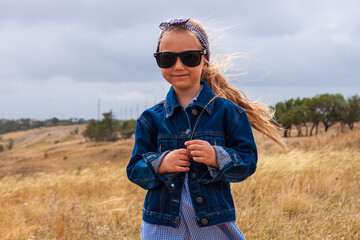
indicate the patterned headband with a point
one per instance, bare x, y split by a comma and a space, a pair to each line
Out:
184, 23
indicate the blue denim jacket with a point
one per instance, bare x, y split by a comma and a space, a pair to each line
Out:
166, 127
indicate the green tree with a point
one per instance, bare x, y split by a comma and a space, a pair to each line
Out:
353, 114
284, 116
90, 131
128, 128
54, 121
101, 130
330, 106
313, 113
300, 115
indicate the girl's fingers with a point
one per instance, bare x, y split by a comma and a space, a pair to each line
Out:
198, 159
191, 142
185, 157
184, 163
181, 169
197, 153
183, 151
195, 147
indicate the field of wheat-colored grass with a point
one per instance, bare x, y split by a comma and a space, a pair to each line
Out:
56, 185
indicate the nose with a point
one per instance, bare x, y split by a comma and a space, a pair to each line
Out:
178, 64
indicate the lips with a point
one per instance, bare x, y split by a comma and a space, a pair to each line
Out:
180, 75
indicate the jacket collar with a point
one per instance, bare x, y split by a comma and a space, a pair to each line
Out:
206, 94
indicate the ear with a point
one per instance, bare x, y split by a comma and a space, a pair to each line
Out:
205, 65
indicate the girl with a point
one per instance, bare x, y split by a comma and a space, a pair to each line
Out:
189, 147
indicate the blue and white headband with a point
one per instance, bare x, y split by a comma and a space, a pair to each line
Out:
184, 23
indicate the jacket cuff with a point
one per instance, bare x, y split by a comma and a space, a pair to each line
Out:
154, 160
157, 161
222, 156
213, 171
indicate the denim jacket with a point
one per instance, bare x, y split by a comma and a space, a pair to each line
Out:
166, 127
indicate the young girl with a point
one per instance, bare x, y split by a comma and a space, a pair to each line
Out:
189, 147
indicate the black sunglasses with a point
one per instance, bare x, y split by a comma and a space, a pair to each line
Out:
188, 58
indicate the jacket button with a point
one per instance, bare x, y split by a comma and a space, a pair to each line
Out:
194, 112
192, 175
199, 200
172, 185
187, 131
204, 221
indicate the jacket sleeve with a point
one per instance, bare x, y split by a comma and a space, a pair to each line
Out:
238, 158
145, 159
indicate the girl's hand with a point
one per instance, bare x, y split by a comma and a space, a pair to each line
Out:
202, 151
175, 161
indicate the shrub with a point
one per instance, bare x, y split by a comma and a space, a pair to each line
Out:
101, 130
11, 144
128, 128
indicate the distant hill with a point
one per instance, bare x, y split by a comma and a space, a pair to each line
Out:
53, 148
7, 125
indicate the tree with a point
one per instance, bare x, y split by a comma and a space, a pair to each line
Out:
353, 111
343, 115
313, 112
90, 131
101, 130
128, 128
300, 115
283, 115
54, 121
330, 106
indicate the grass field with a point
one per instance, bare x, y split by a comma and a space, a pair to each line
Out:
56, 185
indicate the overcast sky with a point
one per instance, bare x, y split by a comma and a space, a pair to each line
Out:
58, 58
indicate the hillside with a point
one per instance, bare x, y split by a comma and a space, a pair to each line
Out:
54, 148
56, 185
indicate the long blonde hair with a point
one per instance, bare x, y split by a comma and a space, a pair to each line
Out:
260, 116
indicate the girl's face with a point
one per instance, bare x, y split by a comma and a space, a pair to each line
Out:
182, 77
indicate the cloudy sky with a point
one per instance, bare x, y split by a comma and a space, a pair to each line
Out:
59, 58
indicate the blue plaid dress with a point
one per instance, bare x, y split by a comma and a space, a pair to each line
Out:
188, 229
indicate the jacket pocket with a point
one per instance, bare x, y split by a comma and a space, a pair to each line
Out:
166, 142
212, 138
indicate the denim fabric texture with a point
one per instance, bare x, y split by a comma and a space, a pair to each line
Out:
166, 127
188, 228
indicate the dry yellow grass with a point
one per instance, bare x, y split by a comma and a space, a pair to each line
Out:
311, 192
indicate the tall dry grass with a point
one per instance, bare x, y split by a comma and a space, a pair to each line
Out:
311, 192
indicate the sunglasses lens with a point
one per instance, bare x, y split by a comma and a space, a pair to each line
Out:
191, 59
165, 60
188, 58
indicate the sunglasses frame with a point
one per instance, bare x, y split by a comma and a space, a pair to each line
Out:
180, 54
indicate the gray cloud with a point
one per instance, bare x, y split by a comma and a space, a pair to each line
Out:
83, 43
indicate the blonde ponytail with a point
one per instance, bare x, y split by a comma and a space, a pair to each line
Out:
260, 116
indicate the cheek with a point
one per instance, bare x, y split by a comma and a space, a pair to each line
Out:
165, 73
